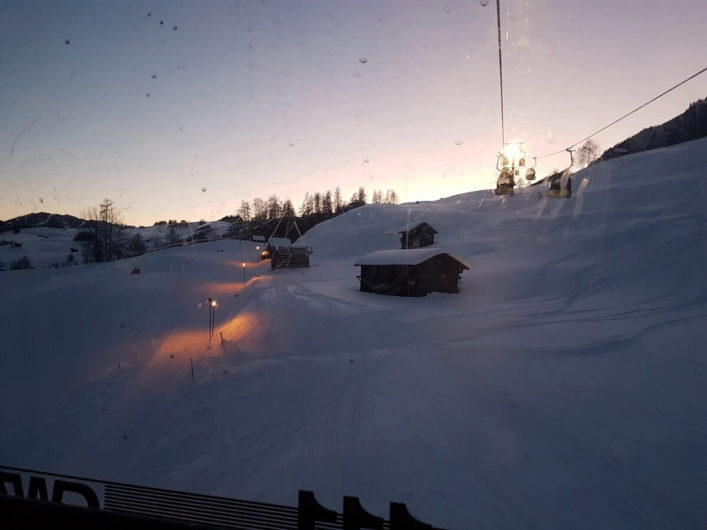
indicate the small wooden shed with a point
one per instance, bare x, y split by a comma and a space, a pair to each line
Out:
270, 245
420, 236
289, 257
410, 272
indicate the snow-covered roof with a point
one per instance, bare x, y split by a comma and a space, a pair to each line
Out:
280, 242
411, 227
412, 256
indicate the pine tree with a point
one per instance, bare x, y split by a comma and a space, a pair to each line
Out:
338, 201
326, 204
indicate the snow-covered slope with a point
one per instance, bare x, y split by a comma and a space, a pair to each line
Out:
565, 386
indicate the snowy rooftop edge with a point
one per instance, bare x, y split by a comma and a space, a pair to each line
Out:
413, 256
415, 224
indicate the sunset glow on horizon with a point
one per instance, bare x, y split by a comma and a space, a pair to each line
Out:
230, 101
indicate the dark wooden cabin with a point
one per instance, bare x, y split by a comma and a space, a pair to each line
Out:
420, 236
289, 257
410, 272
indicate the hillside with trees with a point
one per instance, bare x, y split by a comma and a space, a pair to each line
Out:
690, 125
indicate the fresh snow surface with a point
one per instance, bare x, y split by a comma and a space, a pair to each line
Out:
565, 386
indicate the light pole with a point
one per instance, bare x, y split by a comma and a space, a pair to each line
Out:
243, 273
212, 310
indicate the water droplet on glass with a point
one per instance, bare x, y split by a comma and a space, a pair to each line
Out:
458, 141
291, 144
154, 76
161, 22
362, 60
41, 200
149, 13
203, 188
484, 3
67, 41
147, 95
366, 160
174, 28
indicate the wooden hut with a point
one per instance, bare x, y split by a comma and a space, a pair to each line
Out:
411, 272
420, 236
271, 244
289, 257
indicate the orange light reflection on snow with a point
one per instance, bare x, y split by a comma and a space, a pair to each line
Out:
184, 344
238, 328
249, 264
194, 343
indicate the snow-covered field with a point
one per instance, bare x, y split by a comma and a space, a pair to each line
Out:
565, 386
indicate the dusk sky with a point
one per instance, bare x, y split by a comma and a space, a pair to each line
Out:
181, 109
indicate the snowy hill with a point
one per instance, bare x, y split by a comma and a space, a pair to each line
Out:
565, 386
54, 247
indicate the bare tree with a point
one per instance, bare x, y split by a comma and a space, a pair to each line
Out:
588, 153
244, 210
391, 197
274, 207
105, 226
259, 209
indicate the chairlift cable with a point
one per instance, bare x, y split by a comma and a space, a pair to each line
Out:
276, 227
628, 114
500, 68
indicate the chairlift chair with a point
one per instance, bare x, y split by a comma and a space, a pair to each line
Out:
560, 183
505, 182
530, 172
513, 158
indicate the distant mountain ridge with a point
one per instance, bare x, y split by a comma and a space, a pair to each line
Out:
34, 220
690, 125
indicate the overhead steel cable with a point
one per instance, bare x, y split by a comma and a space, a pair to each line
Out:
500, 68
627, 114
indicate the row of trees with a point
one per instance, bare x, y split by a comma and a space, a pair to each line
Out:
104, 237
273, 217
326, 203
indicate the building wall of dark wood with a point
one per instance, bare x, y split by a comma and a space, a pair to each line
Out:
418, 240
420, 236
438, 274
